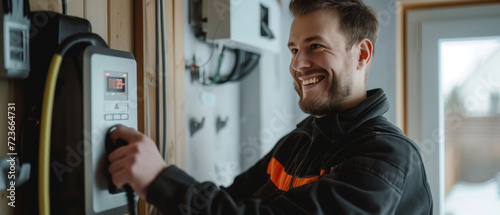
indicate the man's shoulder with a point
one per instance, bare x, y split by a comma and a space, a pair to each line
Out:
381, 131
385, 141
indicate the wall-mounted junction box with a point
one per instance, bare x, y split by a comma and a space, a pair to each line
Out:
251, 25
14, 40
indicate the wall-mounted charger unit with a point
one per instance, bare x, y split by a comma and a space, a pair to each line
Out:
14, 40
110, 98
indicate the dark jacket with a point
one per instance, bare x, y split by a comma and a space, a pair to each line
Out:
354, 162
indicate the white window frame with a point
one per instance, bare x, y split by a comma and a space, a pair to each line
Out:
425, 107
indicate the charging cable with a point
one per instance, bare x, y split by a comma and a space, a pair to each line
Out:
47, 108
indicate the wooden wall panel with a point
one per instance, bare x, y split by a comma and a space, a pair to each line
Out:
174, 39
50, 5
121, 28
75, 7
170, 82
96, 11
150, 82
139, 57
179, 70
175, 114
145, 54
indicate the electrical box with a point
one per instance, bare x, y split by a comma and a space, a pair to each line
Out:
251, 25
110, 98
14, 40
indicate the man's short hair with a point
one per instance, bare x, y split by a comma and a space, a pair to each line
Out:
358, 21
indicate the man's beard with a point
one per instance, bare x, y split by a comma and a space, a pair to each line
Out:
333, 103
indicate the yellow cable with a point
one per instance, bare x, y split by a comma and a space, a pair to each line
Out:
45, 129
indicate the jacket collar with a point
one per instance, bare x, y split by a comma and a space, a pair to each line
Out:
336, 125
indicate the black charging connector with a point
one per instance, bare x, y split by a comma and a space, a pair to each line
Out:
110, 147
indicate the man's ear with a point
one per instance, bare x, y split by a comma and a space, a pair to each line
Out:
365, 53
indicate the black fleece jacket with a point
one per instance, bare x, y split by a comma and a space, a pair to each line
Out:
354, 162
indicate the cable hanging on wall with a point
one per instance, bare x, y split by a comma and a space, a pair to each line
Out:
244, 63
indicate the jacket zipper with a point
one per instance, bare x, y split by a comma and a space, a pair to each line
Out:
302, 161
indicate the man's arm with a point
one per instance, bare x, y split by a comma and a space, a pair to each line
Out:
248, 182
364, 185
353, 189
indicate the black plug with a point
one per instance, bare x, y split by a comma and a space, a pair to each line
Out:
110, 146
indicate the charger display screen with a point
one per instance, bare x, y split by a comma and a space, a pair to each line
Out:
116, 84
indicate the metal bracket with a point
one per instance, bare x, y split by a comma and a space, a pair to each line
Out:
195, 126
220, 124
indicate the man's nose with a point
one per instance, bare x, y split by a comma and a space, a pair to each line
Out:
300, 61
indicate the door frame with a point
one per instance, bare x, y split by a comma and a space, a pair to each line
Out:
409, 47
403, 8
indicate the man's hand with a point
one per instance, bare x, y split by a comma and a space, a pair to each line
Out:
136, 164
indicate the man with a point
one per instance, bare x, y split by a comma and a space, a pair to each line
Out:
345, 158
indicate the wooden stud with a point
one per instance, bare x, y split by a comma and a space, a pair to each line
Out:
121, 28
96, 12
75, 8
150, 82
179, 69
145, 54
139, 58
169, 40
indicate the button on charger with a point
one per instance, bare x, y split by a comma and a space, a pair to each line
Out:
108, 117
124, 116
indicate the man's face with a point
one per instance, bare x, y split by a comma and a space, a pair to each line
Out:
323, 67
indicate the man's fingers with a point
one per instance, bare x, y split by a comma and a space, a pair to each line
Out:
121, 162
122, 152
126, 133
116, 167
136, 164
119, 178
118, 154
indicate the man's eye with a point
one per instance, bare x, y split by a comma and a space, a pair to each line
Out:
316, 46
294, 51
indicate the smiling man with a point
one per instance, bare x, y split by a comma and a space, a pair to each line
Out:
329, 71
345, 158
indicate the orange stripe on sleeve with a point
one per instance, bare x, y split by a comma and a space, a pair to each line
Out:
278, 175
282, 179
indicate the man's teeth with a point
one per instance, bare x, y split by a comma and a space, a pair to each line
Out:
310, 81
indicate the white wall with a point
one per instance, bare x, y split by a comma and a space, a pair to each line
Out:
269, 101
383, 69
210, 155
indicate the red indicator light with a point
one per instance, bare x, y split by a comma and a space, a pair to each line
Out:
107, 74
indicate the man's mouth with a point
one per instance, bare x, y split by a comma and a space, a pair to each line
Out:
308, 81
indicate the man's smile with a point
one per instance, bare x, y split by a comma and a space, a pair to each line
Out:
311, 80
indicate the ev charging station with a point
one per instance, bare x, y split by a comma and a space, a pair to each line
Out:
110, 98
75, 89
